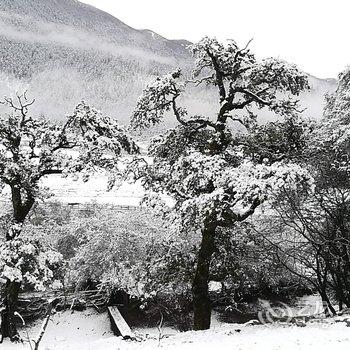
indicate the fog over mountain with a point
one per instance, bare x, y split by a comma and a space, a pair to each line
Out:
63, 51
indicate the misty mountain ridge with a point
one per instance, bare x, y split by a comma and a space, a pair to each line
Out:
73, 19
64, 51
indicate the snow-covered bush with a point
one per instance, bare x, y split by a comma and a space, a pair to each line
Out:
248, 269
129, 251
30, 265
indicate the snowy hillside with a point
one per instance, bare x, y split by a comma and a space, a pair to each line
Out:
65, 51
44, 18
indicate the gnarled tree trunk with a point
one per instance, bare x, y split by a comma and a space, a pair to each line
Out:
200, 293
9, 297
328, 308
8, 322
12, 288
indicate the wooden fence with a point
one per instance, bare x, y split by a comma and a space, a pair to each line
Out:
5, 203
33, 305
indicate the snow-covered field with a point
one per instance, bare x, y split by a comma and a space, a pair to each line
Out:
89, 330
66, 190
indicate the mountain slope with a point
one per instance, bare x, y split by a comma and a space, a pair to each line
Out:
55, 19
64, 51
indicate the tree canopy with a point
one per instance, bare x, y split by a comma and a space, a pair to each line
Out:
203, 163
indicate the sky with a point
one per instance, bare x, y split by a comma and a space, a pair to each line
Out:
314, 34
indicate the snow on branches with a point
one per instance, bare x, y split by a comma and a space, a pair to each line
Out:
31, 148
201, 163
159, 97
210, 186
29, 264
330, 141
243, 81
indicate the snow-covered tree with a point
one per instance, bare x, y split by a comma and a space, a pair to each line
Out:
330, 142
321, 242
202, 163
31, 149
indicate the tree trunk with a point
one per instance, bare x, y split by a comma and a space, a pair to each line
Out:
201, 301
328, 308
10, 299
52, 306
10, 293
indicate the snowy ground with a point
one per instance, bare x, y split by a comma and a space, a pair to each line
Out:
91, 331
66, 190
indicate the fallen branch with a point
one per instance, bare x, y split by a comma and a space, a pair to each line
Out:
159, 327
52, 305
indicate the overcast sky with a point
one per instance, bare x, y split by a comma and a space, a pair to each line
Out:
311, 33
